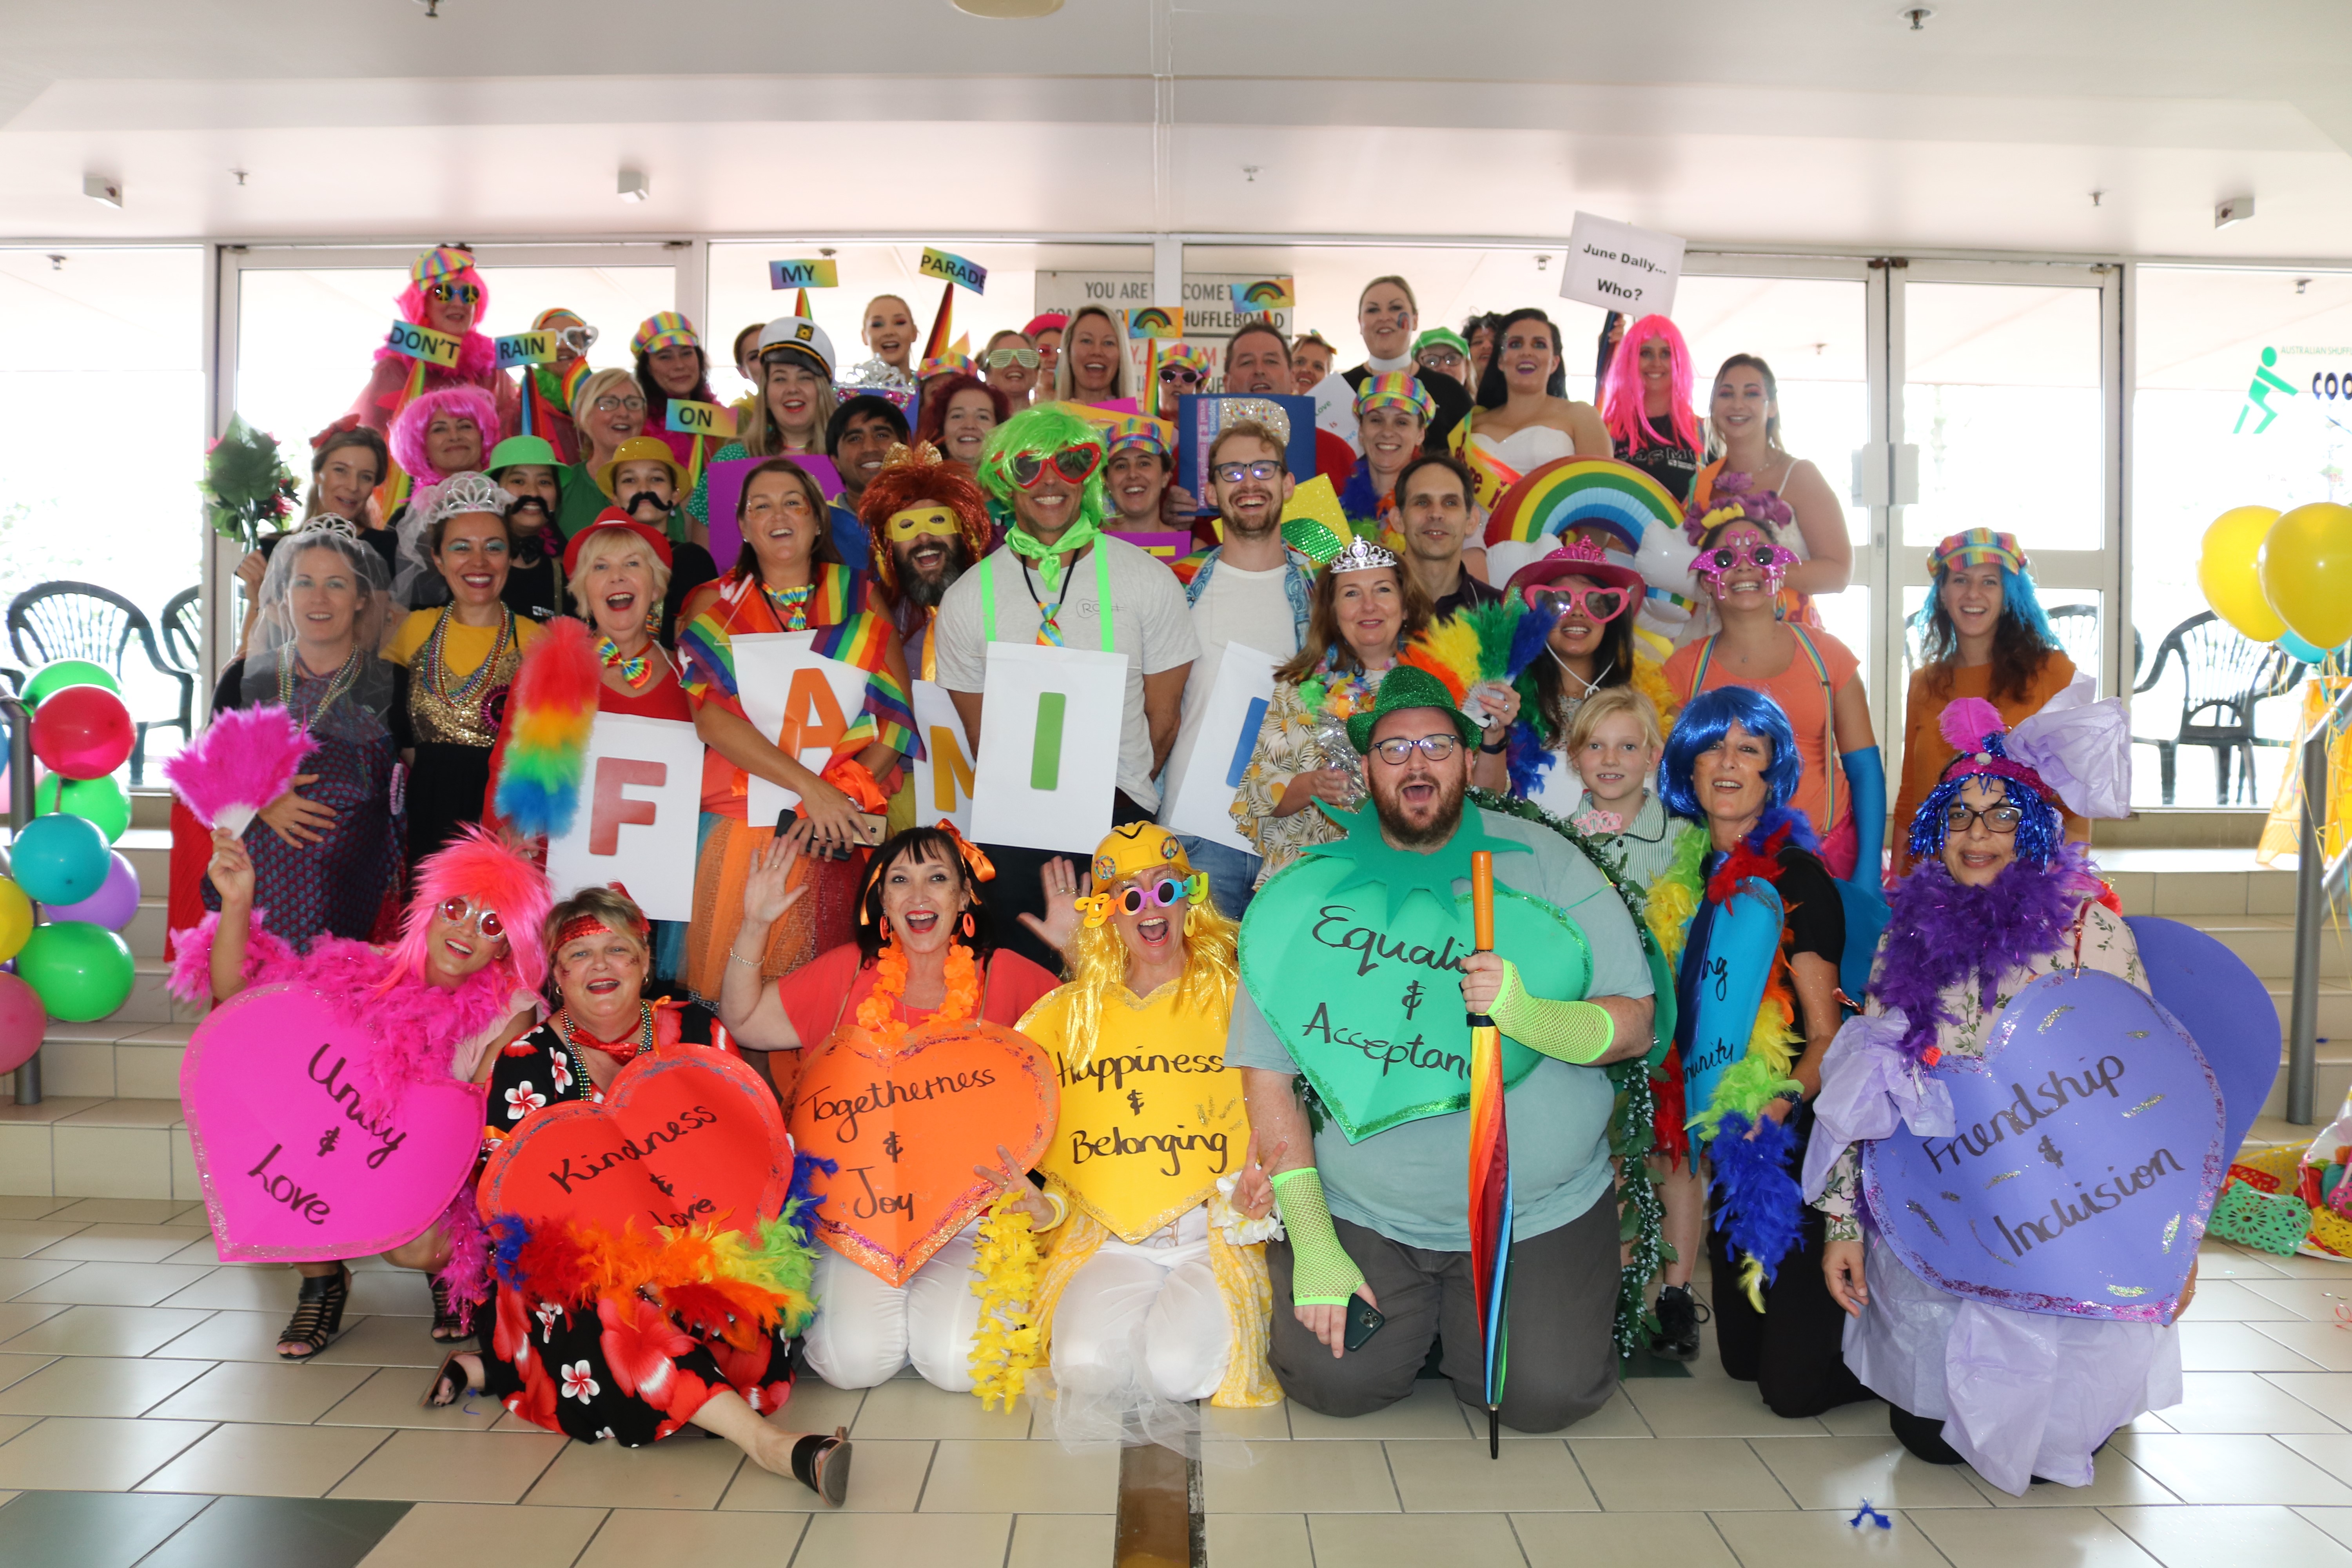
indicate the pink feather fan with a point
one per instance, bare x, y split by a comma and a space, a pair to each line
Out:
246, 758
1967, 722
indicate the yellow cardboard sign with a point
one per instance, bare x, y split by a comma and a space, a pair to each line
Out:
1313, 523
1152, 1119
423, 342
700, 418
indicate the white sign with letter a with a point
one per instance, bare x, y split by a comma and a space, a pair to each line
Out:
1620, 268
943, 773
802, 700
640, 802
1200, 802
1049, 736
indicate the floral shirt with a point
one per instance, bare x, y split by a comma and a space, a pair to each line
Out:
2107, 945
1288, 744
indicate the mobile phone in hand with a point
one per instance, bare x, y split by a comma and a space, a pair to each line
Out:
1364, 1320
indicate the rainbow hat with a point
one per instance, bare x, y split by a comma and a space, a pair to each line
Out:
1583, 492
1156, 435
441, 261
661, 330
1396, 389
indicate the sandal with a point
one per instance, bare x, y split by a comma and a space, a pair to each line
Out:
450, 1384
450, 1323
318, 1314
822, 1465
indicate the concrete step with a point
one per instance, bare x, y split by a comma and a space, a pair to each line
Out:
2266, 943
88, 1146
2185, 882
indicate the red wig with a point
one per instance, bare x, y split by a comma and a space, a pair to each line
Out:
912, 478
932, 426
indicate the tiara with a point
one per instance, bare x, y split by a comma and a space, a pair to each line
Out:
467, 492
1361, 555
327, 522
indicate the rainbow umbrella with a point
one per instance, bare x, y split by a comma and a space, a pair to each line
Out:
1490, 1167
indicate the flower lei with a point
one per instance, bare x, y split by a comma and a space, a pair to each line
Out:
1008, 1261
878, 1014
1341, 696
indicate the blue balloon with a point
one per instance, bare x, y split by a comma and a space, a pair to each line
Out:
2300, 649
60, 859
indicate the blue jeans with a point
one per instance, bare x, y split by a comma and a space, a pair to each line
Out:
1232, 873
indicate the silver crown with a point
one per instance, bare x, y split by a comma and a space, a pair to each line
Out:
465, 492
1361, 555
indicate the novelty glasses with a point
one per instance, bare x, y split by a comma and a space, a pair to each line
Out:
1772, 560
464, 293
460, 911
1134, 898
1074, 464
997, 359
1592, 603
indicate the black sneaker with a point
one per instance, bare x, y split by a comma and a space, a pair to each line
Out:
1679, 1316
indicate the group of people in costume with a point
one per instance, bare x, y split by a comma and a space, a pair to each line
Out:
1564, 818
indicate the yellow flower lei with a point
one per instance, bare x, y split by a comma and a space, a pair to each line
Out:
1005, 1348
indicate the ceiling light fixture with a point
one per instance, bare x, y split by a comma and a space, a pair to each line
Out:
58, 264
2237, 209
2300, 284
1008, 10
104, 188
1917, 16
2096, 196
432, 9
634, 186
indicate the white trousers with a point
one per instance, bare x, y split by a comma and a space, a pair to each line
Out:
1145, 1318
865, 1331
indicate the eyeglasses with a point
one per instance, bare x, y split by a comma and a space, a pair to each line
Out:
1233, 473
1134, 899
460, 912
1396, 750
1178, 374
1443, 359
578, 340
1997, 819
1075, 464
464, 293
614, 405
1592, 603
997, 359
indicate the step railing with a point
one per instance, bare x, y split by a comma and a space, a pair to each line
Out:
2318, 880
20, 812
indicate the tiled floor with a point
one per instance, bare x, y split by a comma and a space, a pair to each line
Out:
145, 1419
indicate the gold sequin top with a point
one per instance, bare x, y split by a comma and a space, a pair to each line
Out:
466, 714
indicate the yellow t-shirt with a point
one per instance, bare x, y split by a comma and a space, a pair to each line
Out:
465, 648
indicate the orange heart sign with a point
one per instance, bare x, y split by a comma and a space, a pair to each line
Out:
685, 1136
908, 1124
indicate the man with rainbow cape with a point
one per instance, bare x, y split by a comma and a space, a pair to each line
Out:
1354, 1045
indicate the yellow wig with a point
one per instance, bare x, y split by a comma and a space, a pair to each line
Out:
1098, 958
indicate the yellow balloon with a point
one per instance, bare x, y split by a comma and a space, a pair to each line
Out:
16, 919
2305, 565
2225, 571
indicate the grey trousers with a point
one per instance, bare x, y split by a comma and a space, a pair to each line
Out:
1563, 1362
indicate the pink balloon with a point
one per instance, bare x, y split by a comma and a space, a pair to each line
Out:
113, 906
83, 731
22, 1023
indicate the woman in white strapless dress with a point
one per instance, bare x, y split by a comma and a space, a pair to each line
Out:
1522, 422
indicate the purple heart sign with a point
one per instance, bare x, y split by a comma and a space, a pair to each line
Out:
2086, 1156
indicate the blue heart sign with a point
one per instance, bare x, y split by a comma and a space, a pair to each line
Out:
2087, 1154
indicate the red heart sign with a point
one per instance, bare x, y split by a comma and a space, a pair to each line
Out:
684, 1136
909, 1124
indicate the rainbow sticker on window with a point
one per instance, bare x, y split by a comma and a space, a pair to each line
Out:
1265, 294
1155, 321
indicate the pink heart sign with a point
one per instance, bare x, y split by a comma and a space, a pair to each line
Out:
292, 1170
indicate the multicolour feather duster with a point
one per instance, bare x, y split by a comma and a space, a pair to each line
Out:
550, 712
246, 758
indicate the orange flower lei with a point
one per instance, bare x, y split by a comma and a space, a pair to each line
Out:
878, 1014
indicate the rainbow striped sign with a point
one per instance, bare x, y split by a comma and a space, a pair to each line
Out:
1156, 321
1583, 492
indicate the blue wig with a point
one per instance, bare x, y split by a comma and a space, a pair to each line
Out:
2021, 606
1704, 723
2040, 833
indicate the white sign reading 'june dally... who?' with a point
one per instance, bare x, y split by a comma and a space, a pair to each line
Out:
1620, 268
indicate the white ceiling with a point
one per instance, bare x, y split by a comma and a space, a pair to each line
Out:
1802, 122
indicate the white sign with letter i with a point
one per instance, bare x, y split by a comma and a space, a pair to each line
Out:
1049, 734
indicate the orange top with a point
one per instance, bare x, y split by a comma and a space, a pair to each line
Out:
1925, 750
1797, 691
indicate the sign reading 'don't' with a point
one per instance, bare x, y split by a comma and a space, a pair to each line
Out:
640, 802
423, 342
1620, 268
1049, 738
800, 699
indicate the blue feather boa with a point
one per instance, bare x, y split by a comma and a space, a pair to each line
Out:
1762, 1209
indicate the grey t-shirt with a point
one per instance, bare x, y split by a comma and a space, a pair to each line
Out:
1410, 1182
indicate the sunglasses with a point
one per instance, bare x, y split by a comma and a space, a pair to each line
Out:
1771, 559
1592, 603
1074, 464
1233, 473
1396, 750
997, 359
460, 912
1178, 374
464, 293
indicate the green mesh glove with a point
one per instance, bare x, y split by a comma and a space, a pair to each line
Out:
1321, 1272
1577, 1032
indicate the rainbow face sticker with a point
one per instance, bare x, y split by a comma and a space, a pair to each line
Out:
926, 517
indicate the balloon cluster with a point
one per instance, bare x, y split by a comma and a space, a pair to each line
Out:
2284, 578
71, 963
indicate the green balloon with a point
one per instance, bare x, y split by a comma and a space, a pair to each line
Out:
103, 800
61, 673
80, 972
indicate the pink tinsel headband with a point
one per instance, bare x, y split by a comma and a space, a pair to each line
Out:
1975, 728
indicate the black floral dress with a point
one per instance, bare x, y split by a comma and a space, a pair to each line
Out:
627, 1370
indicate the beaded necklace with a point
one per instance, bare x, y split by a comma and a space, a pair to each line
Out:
433, 662
569, 1034
337, 684
635, 673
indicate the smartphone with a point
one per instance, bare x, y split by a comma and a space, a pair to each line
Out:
870, 828
1364, 1320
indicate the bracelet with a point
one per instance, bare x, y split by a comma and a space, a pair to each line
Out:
735, 957
1494, 751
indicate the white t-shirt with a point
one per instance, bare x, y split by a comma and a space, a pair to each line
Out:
1150, 624
1247, 608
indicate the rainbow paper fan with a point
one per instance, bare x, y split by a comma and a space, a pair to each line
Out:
1583, 492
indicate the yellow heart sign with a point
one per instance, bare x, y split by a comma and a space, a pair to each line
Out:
1152, 1116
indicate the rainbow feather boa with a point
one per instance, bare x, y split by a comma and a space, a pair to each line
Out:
551, 709
733, 1285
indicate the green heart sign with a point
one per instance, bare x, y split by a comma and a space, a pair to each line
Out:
1360, 979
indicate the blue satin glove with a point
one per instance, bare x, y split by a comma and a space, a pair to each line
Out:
1865, 782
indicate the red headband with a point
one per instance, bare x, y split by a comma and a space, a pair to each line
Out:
580, 925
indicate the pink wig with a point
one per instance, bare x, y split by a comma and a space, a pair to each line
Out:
1620, 398
408, 430
478, 357
480, 866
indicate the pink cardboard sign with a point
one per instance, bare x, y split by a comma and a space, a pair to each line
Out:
727, 493
292, 1170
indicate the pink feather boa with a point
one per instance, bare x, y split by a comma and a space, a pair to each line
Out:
414, 1029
